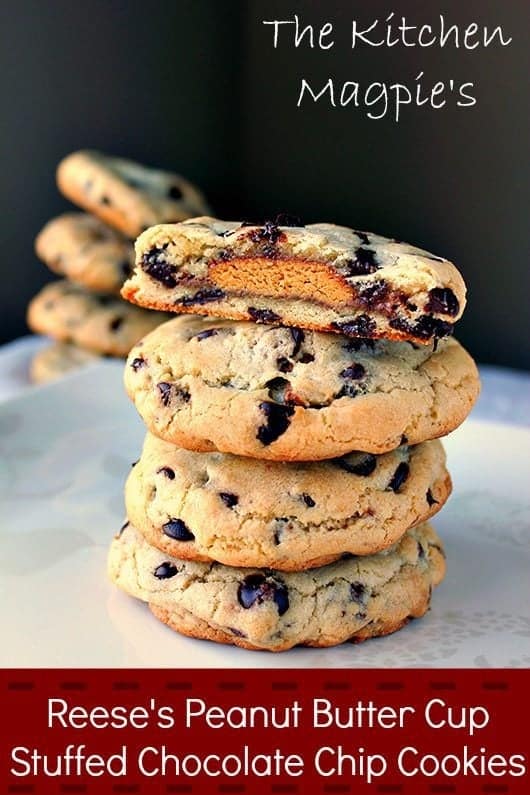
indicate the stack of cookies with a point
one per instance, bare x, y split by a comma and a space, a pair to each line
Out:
83, 312
292, 459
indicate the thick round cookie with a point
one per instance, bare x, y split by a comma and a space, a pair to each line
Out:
321, 277
126, 195
57, 360
353, 599
288, 516
84, 250
286, 394
100, 323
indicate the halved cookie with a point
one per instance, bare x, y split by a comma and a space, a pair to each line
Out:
320, 276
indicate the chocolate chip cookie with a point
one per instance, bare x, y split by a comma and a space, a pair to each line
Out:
86, 251
247, 512
353, 599
126, 195
100, 323
321, 276
286, 394
57, 360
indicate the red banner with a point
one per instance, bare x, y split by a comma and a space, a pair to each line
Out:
270, 731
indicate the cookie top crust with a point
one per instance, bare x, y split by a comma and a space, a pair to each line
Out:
265, 608
100, 323
86, 251
319, 276
127, 195
247, 512
286, 394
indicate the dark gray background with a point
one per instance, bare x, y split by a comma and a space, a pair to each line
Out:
196, 86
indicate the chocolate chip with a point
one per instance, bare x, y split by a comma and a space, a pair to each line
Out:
399, 477
306, 358
137, 363
278, 388
354, 371
281, 524
177, 530
363, 467
167, 471
174, 192
165, 571
225, 255
203, 335
237, 632
258, 588
443, 301
374, 294
277, 421
171, 393
115, 324
298, 338
105, 200
358, 593
201, 297
165, 392
229, 499
126, 269
154, 264
361, 326
269, 233
363, 237
283, 364
263, 315
425, 328
134, 463
348, 390
354, 345
309, 501
363, 262
430, 499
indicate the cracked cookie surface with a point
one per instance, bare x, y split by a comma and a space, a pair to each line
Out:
58, 359
126, 195
353, 599
86, 251
247, 512
321, 277
100, 323
285, 394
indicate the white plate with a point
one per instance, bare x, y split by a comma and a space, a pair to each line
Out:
65, 450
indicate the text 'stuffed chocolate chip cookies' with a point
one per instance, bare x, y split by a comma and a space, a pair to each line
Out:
286, 394
321, 276
351, 600
126, 195
247, 512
